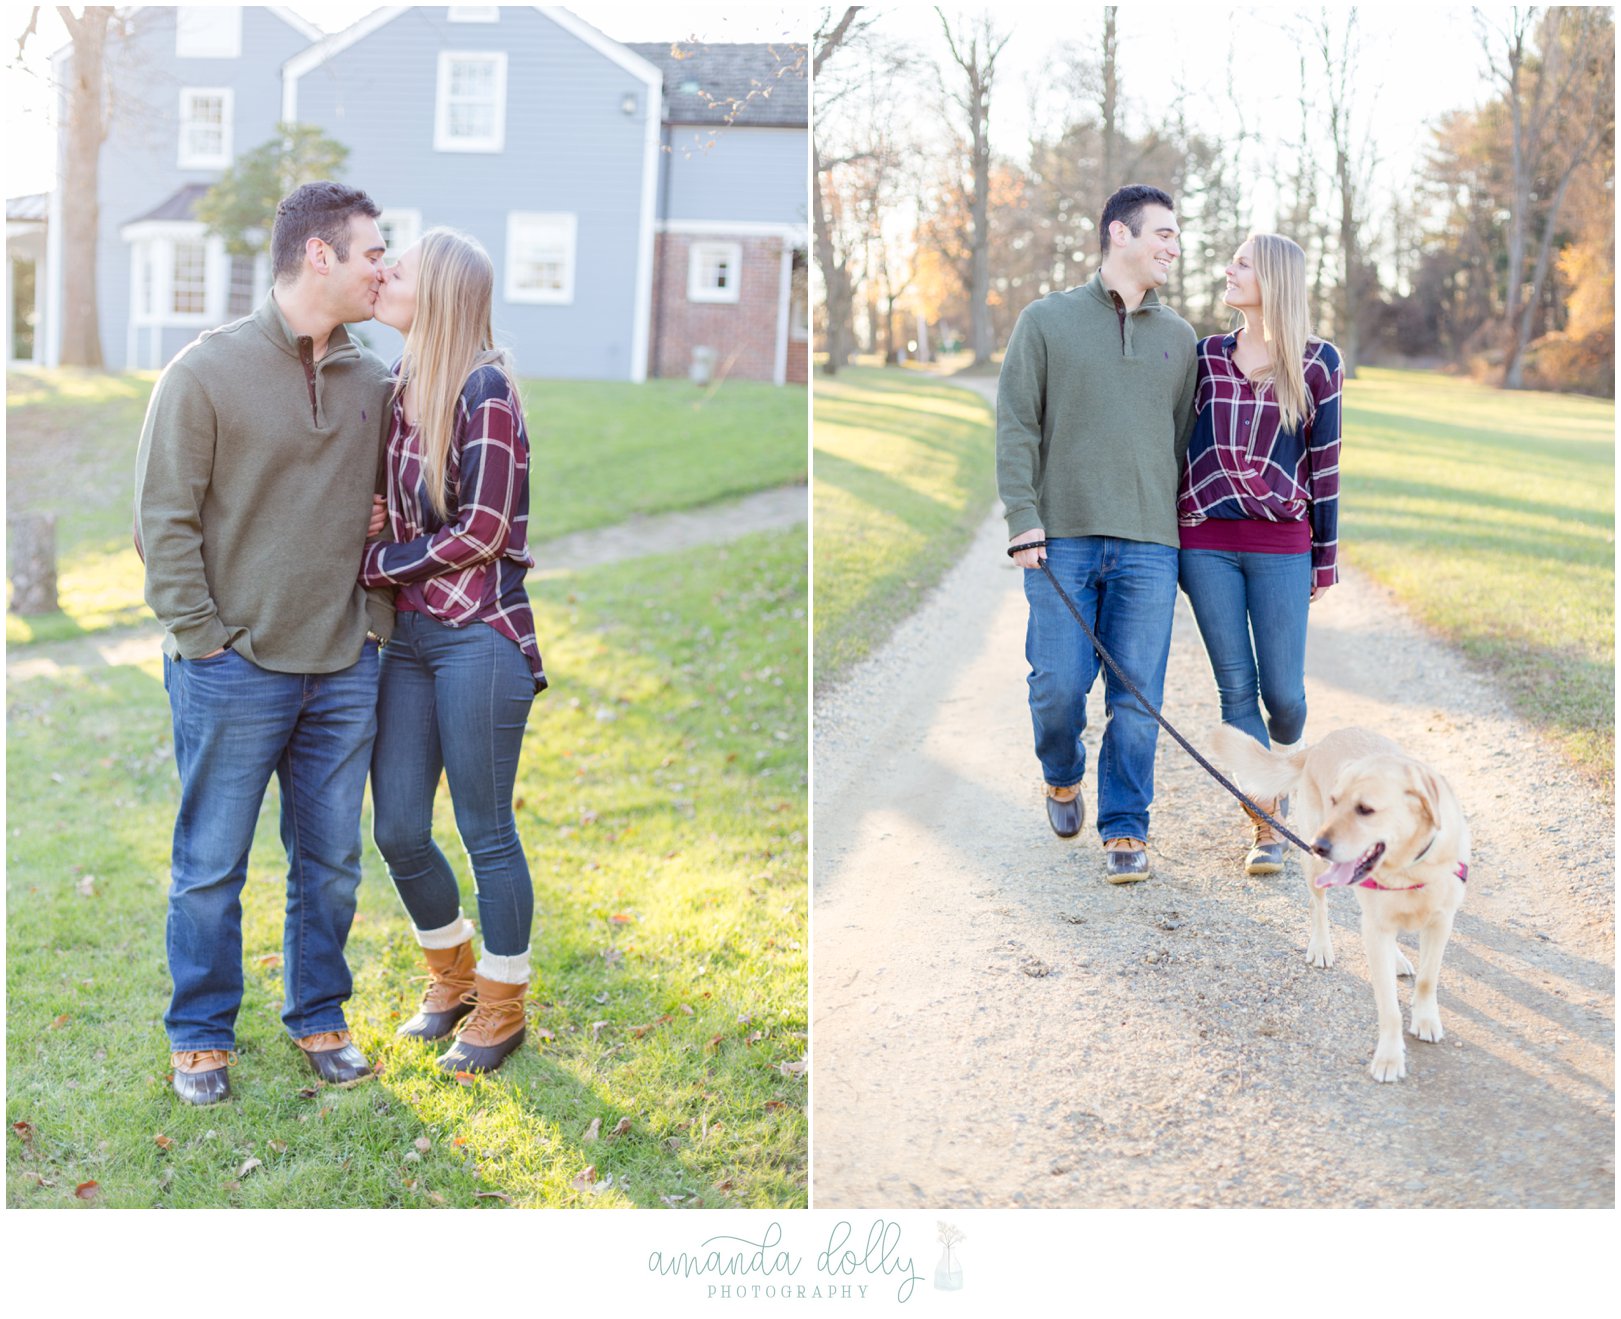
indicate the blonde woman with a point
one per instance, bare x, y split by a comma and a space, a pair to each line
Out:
1258, 502
462, 667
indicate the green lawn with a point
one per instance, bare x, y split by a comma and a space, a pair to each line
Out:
904, 473
602, 452
1491, 514
662, 805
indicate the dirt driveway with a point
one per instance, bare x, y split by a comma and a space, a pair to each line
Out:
995, 1025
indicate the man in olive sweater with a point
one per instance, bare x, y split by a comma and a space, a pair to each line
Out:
254, 481
1092, 417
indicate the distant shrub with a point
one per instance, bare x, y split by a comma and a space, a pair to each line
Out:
1570, 365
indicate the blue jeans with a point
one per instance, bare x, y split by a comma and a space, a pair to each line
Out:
1251, 610
1126, 591
453, 700
235, 725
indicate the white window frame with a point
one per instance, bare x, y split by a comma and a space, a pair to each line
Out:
186, 157
215, 32
566, 221
698, 255
473, 14
409, 224
442, 139
152, 252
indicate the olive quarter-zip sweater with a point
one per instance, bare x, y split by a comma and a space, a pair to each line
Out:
1093, 413
253, 488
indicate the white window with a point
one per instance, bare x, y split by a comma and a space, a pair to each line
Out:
205, 127
188, 287
540, 257
208, 33
400, 230
714, 271
470, 108
474, 14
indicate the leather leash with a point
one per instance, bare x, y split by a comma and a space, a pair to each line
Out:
1143, 701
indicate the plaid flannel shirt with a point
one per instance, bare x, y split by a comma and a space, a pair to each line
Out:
1242, 464
469, 569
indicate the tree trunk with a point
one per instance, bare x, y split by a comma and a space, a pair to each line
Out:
1111, 104
835, 278
33, 564
81, 159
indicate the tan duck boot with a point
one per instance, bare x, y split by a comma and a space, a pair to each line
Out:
494, 1028
448, 996
1266, 851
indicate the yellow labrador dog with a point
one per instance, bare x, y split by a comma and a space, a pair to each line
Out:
1387, 826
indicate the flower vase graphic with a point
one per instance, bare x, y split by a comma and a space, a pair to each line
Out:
948, 1272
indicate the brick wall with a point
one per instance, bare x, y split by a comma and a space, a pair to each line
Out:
747, 327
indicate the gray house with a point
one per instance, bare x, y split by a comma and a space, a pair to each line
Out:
552, 144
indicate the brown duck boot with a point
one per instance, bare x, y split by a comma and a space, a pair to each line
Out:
201, 1075
494, 1029
448, 997
335, 1058
1266, 851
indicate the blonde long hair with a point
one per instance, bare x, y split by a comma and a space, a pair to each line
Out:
1280, 266
450, 338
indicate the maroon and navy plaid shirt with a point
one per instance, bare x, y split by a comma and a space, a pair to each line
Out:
471, 568
1242, 464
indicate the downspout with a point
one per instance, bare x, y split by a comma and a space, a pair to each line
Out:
662, 238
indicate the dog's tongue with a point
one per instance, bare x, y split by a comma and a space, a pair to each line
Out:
1341, 872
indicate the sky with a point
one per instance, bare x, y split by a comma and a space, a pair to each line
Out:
30, 157
1418, 62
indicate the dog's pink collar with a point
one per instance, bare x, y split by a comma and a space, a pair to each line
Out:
1462, 872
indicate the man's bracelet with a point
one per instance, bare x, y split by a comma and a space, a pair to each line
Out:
1028, 545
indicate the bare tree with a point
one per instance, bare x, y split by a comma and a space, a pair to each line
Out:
1560, 101
974, 50
84, 131
1338, 47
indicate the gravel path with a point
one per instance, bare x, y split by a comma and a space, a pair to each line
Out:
995, 1025
663, 533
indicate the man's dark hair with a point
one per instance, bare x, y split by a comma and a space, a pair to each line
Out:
314, 210
1126, 205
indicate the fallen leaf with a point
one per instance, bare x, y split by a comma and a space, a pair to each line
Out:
464, 1078
596, 1028
621, 918
792, 1069
280, 1146
593, 1130
423, 1144
585, 1179
87, 1190
40, 1181
61, 1021
493, 1195
544, 1033
233, 1186
755, 1038
248, 1167
436, 1197
162, 1142
308, 1092
639, 1031
772, 1105
687, 1009
24, 1131
724, 1186
459, 1141
86, 887
623, 1128
714, 1043
268, 959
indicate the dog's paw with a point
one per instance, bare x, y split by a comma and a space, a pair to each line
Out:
1403, 966
1389, 1064
1427, 1026
1320, 954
